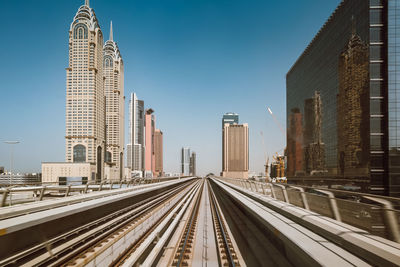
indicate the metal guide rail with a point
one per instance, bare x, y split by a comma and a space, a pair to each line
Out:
54, 232
31, 207
378, 215
371, 249
40, 191
297, 246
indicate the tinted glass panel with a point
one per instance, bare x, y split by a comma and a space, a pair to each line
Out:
376, 125
375, 16
376, 142
375, 34
375, 88
375, 52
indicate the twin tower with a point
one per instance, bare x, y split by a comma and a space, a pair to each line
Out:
94, 98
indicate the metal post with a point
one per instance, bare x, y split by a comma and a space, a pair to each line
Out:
272, 190
284, 192
4, 198
68, 189
390, 219
42, 193
11, 159
263, 189
303, 197
332, 204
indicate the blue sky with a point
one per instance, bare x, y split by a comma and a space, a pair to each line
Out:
189, 60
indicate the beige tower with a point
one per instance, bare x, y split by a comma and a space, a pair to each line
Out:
236, 150
114, 90
85, 104
158, 152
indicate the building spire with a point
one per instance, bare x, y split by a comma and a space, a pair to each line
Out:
87, 3
111, 32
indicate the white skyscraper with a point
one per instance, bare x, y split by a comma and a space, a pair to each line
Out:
85, 103
135, 147
114, 91
185, 161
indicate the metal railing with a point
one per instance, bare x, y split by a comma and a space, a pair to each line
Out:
39, 191
371, 213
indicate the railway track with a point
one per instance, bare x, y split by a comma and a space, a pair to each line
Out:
62, 249
202, 222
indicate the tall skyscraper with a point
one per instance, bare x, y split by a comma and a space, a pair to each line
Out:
135, 147
149, 143
85, 100
192, 168
352, 63
158, 152
229, 118
236, 150
185, 161
113, 68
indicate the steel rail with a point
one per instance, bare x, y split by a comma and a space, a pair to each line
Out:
216, 213
118, 217
138, 250
190, 227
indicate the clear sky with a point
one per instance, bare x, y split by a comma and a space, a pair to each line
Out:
189, 60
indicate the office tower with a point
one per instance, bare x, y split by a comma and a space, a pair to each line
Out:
85, 99
113, 69
192, 168
158, 152
185, 161
136, 141
294, 148
236, 150
229, 118
149, 143
352, 63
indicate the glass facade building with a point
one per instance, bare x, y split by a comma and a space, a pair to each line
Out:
342, 99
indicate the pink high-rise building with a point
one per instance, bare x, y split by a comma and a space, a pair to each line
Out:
149, 126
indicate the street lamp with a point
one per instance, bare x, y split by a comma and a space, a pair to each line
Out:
12, 155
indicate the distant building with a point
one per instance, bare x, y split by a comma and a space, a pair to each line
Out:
236, 150
192, 168
185, 161
158, 151
113, 69
230, 118
149, 143
1, 170
59, 172
136, 145
349, 70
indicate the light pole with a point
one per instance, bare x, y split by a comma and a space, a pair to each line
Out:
12, 155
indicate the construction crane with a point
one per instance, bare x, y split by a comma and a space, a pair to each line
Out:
266, 158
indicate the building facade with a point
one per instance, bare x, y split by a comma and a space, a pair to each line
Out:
349, 71
229, 118
113, 68
185, 161
158, 152
236, 150
136, 145
85, 99
192, 168
149, 143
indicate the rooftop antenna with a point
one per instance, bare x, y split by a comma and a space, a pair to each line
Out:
87, 3
111, 31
